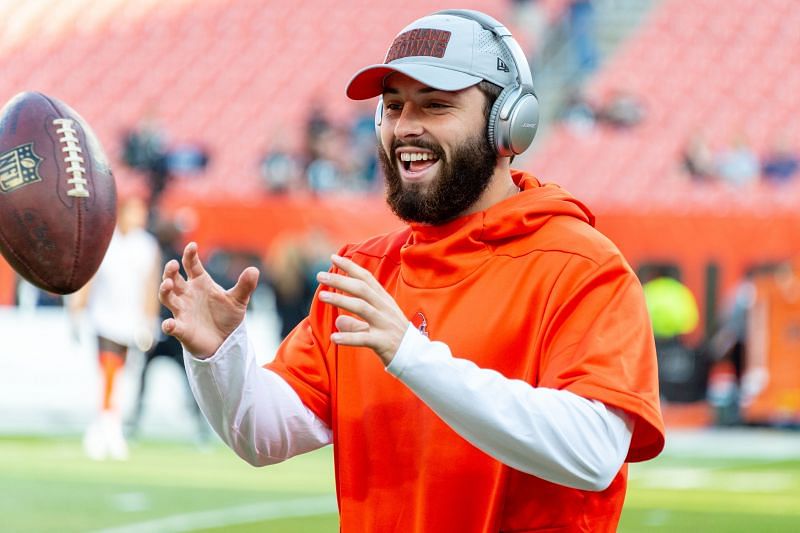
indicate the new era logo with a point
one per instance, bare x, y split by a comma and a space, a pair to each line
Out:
501, 65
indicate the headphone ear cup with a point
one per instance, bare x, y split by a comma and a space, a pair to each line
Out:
513, 135
497, 129
523, 122
379, 118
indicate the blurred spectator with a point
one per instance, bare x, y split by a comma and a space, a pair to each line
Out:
698, 159
145, 150
317, 124
122, 306
290, 275
291, 266
727, 345
530, 26
770, 384
738, 165
364, 142
781, 163
622, 110
577, 112
187, 159
581, 25
337, 168
324, 174
279, 169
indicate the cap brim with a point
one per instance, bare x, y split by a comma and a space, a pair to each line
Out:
368, 82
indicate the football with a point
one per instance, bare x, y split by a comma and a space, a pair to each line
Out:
58, 200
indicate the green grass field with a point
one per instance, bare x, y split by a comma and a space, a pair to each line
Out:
47, 485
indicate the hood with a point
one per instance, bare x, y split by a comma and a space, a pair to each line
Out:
438, 256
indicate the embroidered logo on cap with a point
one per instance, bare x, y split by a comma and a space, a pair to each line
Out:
419, 42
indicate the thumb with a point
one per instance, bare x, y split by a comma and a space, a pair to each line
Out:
245, 285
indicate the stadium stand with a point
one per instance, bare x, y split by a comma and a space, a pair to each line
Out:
719, 67
227, 74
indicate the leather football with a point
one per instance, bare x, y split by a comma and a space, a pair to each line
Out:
58, 200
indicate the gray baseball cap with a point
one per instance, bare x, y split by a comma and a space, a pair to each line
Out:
446, 52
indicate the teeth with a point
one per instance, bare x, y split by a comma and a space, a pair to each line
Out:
416, 156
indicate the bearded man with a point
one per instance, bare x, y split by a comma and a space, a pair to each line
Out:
490, 367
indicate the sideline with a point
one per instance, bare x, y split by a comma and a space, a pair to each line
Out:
229, 516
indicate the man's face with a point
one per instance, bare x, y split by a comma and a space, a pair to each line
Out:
434, 151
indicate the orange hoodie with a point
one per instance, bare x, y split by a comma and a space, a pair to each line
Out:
528, 288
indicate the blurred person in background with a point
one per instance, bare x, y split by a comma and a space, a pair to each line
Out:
122, 309
728, 346
292, 265
147, 149
581, 25
622, 110
738, 164
280, 169
530, 17
144, 148
781, 162
698, 160
770, 384
488, 367
577, 112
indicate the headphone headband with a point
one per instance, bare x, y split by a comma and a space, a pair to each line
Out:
524, 76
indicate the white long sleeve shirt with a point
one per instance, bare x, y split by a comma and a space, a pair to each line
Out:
552, 434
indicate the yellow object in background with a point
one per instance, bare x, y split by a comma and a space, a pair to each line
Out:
672, 307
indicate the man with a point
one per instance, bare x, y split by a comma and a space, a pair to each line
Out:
488, 368
121, 307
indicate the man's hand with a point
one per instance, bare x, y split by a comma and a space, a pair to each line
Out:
204, 313
383, 324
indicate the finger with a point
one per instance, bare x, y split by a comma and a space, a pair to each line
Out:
170, 327
167, 295
356, 306
352, 286
172, 271
352, 339
191, 261
245, 285
356, 271
349, 324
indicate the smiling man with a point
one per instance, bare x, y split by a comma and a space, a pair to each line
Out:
488, 368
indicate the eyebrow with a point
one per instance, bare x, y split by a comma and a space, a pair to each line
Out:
424, 90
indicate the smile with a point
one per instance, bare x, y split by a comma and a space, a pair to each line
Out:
416, 161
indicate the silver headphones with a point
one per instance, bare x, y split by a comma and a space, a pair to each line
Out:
514, 117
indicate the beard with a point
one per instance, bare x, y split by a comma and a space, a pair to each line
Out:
458, 185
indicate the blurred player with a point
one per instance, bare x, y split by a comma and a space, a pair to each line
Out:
490, 367
122, 309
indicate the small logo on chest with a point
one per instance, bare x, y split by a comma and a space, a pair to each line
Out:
420, 323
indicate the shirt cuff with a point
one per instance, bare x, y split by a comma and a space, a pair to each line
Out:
237, 339
413, 343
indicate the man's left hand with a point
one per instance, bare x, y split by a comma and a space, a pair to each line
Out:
382, 323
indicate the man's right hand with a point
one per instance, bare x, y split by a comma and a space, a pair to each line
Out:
204, 314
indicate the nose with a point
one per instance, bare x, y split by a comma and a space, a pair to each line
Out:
409, 123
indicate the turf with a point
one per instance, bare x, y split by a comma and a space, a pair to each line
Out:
47, 485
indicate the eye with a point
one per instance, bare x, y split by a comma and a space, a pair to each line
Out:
438, 105
393, 106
